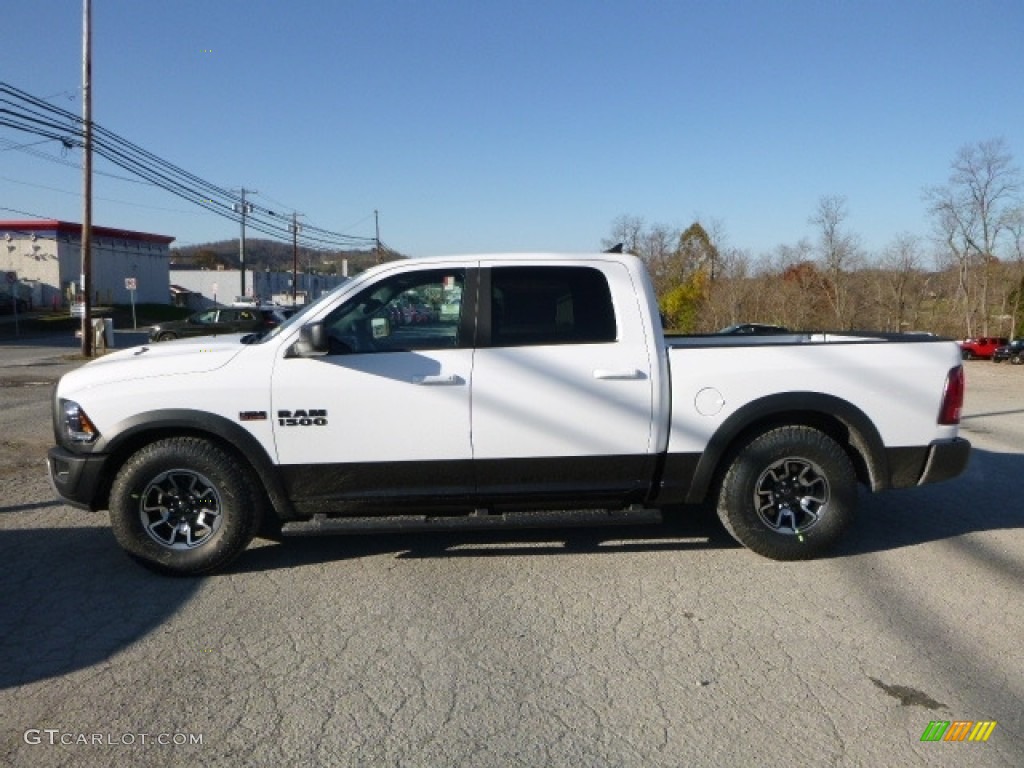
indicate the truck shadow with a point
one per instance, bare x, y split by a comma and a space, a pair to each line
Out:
985, 498
982, 499
72, 600
679, 533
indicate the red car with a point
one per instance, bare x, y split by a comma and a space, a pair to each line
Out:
983, 346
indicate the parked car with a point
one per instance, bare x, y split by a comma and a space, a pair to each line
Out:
981, 347
1014, 352
274, 317
8, 304
760, 329
211, 322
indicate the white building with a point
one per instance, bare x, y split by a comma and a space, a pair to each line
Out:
202, 288
46, 258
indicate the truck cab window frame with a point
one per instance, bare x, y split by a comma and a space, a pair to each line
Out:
407, 312
547, 305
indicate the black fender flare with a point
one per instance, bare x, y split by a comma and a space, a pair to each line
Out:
141, 428
833, 414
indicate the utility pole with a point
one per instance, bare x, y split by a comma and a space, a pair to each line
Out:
295, 252
86, 277
376, 247
244, 208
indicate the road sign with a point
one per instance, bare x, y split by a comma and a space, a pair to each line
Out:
131, 284
12, 278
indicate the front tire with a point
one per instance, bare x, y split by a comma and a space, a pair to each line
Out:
184, 506
166, 336
789, 494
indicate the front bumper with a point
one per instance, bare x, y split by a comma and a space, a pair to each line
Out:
77, 479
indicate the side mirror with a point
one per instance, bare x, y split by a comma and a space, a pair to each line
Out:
313, 341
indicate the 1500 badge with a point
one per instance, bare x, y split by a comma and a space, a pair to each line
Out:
301, 418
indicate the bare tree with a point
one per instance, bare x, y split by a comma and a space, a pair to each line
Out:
657, 250
626, 230
901, 261
1015, 226
654, 245
795, 287
838, 253
972, 213
951, 223
733, 298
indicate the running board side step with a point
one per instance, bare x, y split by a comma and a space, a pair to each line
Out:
479, 520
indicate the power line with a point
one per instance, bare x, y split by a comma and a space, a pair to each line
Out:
71, 94
95, 197
24, 148
57, 124
24, 213
12, 145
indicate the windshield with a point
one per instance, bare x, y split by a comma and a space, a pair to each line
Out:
300, 314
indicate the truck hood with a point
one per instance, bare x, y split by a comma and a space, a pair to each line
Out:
167, 358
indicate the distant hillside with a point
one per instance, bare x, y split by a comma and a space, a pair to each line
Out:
261, 254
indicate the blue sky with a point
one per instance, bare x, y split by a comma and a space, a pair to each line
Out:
513, 126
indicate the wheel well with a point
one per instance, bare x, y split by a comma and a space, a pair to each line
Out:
832, 426
278, 502
856, 446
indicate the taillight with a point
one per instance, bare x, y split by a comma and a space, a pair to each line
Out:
953, 397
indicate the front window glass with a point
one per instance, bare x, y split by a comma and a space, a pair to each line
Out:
411, 311
297, 316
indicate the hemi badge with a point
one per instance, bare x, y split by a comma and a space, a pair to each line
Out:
252, 416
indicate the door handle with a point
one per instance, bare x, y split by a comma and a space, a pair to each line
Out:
613, 374
438, 381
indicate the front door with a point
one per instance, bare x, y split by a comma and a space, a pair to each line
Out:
385, 417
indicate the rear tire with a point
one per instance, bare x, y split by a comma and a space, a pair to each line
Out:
1016, 360
789, 494
184, 506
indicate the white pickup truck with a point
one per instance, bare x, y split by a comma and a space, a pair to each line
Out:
546, 394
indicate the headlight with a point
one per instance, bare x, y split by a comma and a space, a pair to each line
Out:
78, 428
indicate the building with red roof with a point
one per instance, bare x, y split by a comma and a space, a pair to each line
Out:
45, 257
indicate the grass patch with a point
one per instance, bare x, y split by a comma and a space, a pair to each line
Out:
43, 323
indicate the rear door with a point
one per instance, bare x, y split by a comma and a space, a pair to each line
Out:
228, 321
241, 320
563, 396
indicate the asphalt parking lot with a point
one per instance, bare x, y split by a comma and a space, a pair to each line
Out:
666, 646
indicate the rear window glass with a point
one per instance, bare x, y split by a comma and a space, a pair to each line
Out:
550, 305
